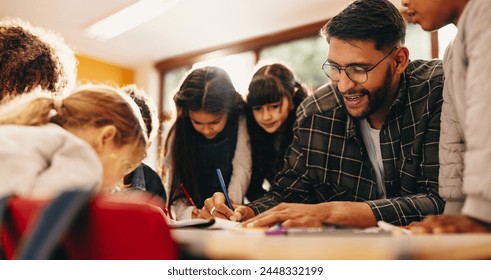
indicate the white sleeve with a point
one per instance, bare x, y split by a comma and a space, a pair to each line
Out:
451, 146
477, 159
242, 164
180, 210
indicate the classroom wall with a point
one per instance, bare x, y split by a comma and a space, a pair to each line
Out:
96, 71
147, 78
144, 76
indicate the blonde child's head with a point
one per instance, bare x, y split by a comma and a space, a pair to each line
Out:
103, 116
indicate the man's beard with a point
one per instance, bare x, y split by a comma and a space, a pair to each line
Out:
376, 98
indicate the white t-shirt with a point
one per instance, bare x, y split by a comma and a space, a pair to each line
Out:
371, 138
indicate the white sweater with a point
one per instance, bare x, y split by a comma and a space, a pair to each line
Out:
466, 114
241, 174
42, 161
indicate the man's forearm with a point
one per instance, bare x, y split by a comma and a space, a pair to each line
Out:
356, 214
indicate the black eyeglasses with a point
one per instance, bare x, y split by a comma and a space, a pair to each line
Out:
357, 74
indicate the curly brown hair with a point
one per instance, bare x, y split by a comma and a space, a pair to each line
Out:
32, 57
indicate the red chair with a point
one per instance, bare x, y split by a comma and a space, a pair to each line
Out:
119, 228
22, 213
130, 226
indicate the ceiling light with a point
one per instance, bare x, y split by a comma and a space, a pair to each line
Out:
128, 18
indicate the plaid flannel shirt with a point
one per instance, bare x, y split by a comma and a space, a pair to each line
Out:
328, 161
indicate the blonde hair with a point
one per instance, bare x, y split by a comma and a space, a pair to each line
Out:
87, 106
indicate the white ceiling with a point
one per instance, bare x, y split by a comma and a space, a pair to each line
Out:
189, 26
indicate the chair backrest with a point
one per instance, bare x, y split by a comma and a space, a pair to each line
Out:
21, 214
117, 227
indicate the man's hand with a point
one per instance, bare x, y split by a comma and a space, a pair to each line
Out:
347, 213
449, 224
290, 215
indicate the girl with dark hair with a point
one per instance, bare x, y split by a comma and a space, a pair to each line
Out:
209, 133
144, 177
274, 95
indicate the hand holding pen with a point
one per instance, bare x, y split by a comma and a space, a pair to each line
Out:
224, 189
221, 206
216, 206
196, 210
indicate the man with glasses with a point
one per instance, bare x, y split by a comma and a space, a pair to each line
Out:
365, 147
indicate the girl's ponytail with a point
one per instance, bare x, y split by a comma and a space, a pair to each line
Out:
29, 109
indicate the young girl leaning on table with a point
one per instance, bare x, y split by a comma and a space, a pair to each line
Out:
209, 133
144, 178
87, 140
273, 97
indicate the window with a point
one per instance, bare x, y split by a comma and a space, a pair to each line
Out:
238, 66
418, 42
172, 79
445, 35
304, 56
239, 60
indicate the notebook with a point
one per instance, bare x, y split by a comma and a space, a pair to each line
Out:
203, 223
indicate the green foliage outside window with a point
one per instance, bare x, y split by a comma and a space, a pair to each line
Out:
304, 56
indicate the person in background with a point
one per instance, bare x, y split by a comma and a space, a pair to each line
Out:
273, 97
209, 133
365, 147
32, 57
464, 132
144, 177
89, 139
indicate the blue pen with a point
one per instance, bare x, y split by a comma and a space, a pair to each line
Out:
224, 188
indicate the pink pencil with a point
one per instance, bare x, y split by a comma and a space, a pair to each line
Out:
187, 195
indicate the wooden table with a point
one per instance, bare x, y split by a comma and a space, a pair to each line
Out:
255, 245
